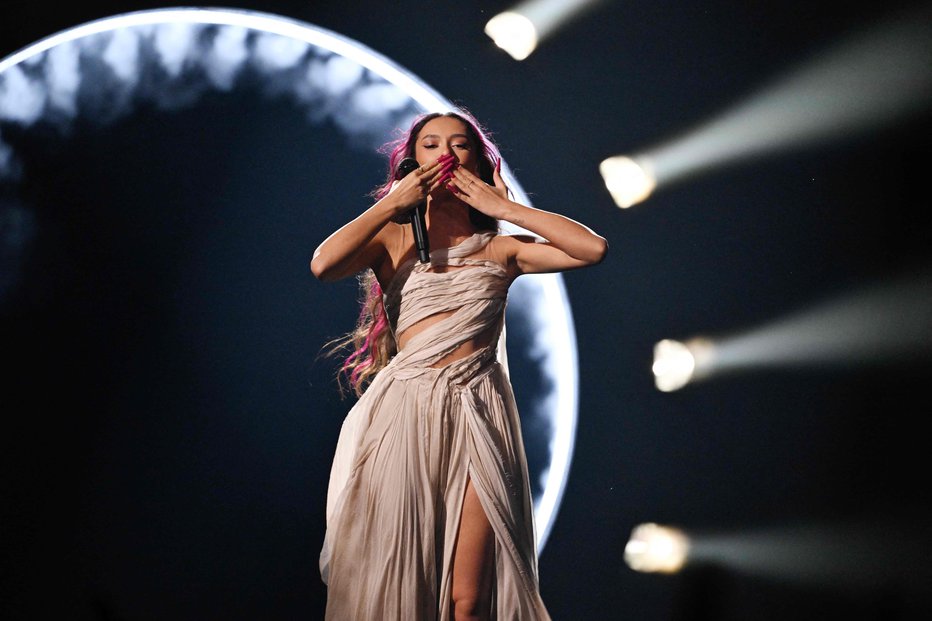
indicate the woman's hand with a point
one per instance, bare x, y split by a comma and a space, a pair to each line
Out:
489, 199
415, 186
565, 244
362, 242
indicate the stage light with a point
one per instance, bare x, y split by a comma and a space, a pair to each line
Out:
873, 79
629, 181
885, 323
677, 364
868, 552
673, 365
514, 33
519, 30
653, 548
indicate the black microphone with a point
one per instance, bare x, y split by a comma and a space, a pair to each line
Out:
418, 221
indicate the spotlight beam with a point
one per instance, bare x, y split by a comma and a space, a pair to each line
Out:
882, 324
874, 78
857, 554
886, 323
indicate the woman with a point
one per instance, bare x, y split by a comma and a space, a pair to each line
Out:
429, 512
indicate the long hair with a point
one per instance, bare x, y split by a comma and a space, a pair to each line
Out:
371, 343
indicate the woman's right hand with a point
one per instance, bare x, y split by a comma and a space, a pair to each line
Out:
415, 187
361, 243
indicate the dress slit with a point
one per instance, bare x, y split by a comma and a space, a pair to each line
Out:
492, 562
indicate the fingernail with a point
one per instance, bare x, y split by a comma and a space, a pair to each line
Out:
452, 188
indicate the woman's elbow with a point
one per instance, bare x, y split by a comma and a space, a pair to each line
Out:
320, 269
599, 250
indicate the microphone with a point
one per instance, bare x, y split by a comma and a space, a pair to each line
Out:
418, 222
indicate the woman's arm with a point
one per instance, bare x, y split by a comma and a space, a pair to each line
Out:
361, 243
356, 245
569, 244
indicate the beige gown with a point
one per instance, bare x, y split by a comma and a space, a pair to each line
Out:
408, 445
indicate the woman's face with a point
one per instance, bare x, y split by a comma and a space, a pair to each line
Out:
446, 135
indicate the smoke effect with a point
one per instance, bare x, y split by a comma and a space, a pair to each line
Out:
104, 76
101, 77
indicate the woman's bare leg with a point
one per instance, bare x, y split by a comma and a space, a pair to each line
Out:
473, 561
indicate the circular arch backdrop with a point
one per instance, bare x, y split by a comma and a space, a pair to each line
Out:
76, 84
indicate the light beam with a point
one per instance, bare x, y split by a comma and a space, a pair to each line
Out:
882, 324
874, 78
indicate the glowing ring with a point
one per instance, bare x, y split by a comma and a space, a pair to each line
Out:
548, 288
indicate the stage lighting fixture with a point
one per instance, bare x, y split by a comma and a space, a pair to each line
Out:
679, 363
519, 30
514, 33
629, 181
653, 548
857, 554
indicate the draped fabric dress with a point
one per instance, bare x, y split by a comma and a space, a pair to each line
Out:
411, 442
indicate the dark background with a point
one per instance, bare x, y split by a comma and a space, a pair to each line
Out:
206, 503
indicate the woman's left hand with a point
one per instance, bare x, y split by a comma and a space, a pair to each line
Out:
489, 199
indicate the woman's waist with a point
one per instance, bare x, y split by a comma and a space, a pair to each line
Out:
466, 363
450, 352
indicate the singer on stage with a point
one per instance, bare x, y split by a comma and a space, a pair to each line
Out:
429, 509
